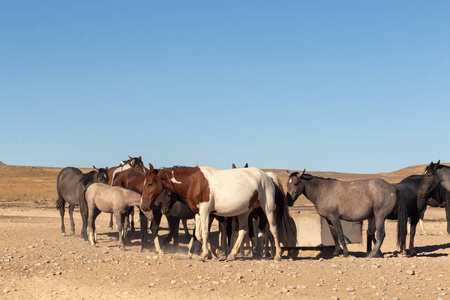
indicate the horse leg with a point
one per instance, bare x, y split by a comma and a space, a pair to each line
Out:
174, 225
125, 222
91, 215
186, 231
414, 220
243, 227
96, 213
447, 215
274, 231
154, 227
144, 225
370, 234
204, 224
84, 218
111, 223
72, 222
335, 235
380, 235
132, 220
222, 251
120, 220
62, 209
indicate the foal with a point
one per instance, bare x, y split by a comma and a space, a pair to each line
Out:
105, 198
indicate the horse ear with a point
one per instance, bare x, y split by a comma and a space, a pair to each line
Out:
151, 168
246, 165
94, 167
233, 166
130, 157
438, 163
140, 158
287, 171
146, 171
303, 173
121, 163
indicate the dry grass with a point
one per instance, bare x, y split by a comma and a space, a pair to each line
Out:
23, 185
36, 186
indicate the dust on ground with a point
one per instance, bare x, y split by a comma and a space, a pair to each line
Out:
37, 262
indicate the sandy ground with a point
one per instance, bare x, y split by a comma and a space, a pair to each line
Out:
37, 262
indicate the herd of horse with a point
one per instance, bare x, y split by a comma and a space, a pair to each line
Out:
238, 197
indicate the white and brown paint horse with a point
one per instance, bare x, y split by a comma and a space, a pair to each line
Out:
228, 193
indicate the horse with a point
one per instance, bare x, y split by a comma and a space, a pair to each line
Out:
436, 174
71, 185
439, 197
132, 162
260, 239
351, 201
110, 199
168, 203
408, 206
228, 193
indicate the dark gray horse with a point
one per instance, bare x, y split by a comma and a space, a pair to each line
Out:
71, 185
347, 200
408, 206
436, 174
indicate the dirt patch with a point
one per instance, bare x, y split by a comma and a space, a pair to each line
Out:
37, 262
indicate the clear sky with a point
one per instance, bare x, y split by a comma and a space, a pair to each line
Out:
347, 86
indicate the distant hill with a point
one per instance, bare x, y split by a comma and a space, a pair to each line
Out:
37, 185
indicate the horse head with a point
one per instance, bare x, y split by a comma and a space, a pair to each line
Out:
153, 187
295, 186
102, 175
430, 179
136, 162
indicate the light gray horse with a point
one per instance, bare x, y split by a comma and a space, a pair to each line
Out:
71, 185
110, 199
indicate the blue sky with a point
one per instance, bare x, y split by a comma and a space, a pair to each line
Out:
347, 86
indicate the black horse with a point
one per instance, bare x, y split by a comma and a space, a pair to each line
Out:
436, 175
408, 206
71, 185
347, 200
439, 197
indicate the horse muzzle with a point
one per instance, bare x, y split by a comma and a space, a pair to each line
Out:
290, 199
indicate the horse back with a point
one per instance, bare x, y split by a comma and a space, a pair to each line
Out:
355, 200
67, 185
110, 198
233, 191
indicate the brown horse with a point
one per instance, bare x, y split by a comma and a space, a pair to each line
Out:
132, 162
174, 209
228, 193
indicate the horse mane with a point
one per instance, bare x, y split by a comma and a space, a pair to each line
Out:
88, 177
309, 176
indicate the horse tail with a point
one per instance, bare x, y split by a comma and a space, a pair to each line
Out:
83, 204
287, 231
59, 201
402, 223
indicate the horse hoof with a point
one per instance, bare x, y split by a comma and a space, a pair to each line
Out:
63, 234
277, 258
231, 258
